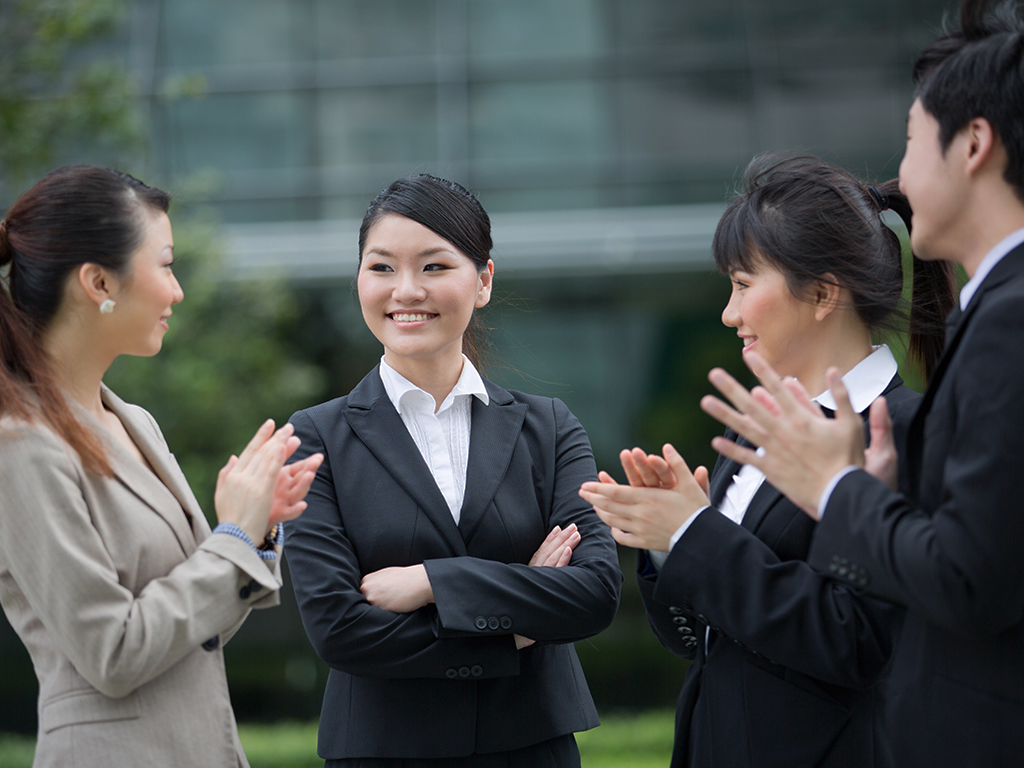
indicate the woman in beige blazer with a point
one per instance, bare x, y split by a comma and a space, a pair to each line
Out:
109, 572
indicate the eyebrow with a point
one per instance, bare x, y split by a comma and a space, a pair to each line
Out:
428, 252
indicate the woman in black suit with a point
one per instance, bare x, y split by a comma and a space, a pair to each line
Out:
786, 663
446, 563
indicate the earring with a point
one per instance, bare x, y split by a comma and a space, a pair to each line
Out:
106, 307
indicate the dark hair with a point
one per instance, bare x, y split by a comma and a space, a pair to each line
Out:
74, 215
975, 71
814, 222
449, 210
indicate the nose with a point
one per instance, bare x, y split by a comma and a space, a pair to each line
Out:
408, 287
178, 294
731, 314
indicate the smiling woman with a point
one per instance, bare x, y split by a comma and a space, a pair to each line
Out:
109, 572
446, 564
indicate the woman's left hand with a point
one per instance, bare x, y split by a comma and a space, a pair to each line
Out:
398, 589
293, 483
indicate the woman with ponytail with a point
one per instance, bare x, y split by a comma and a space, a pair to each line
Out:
446, 563
787, 664
109, 572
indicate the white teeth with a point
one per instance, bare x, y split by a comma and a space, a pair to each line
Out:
748, 342
409, 318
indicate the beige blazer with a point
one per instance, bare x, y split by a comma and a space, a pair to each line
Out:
123, 598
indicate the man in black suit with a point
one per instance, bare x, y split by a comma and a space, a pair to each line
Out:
950, 547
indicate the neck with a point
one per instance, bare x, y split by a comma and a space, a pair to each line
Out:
78, 363
843, 350
1000, 214
436, 375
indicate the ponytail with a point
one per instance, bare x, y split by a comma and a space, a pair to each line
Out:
933, 289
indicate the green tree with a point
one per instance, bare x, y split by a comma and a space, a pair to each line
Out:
58, 100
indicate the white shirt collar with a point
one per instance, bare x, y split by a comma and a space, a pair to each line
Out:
992, 258
865, 381
398, 387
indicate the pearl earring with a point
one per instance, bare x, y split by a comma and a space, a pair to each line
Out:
106, 307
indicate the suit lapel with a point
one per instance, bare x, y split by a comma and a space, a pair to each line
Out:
764, 499
372, 416
956, 325
155, 490
494, 433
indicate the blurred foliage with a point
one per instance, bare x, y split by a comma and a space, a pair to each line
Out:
227, 362
52, 98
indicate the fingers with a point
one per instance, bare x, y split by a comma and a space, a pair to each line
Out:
666, 477
629, 466
604, 477
700, 474
800, 395
551, 550
258, 440
737, 453
880, 421
844, 409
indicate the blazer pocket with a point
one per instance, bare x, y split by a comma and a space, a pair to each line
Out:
87, 707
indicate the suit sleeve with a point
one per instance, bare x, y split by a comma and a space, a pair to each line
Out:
959, 565
556, 605
346, 631
116, 640
785, 611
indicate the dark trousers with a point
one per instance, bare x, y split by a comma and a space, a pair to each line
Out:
560, 752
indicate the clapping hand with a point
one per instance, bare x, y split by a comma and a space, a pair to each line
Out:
662, 495
798, 449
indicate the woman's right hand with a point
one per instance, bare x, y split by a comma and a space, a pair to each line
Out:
554, 552
246, 485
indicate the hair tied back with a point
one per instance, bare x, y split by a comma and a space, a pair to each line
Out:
880, 200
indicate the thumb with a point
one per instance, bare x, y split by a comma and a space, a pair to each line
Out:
880, 423
844, 409
700, 474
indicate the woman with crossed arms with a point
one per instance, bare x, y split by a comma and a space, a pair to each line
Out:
446, 563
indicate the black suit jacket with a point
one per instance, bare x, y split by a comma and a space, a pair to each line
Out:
790, 674
951, 547
447, 680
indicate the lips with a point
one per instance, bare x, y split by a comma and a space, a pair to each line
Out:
748, 342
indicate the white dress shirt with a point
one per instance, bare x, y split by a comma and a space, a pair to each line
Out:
865, 382
440, 434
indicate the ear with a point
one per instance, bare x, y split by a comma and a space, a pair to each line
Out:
826, 296
96, 283
486, 280
982, 143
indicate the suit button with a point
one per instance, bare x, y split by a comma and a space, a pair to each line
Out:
690, 642
212, 643
451, 673
464, 672
477, 670
684, 630
675, 610
843, 571
255, 586
492, 623
680, 620
244, 592
703, 618
481, 622
506, 622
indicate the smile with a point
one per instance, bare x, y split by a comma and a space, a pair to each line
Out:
408, 317
748, 342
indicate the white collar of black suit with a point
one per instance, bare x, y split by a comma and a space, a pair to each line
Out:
993, 257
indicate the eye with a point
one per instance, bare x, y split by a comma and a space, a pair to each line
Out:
379, 267
739, 285
435, 267
170, 263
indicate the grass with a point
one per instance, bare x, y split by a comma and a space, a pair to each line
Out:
623, 741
